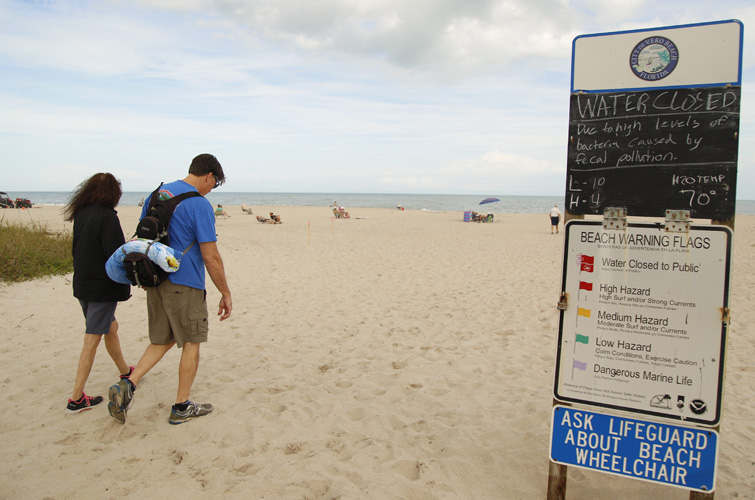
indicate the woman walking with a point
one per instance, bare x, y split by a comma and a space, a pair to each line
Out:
97, 234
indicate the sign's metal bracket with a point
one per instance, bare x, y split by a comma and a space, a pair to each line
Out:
725, 316
563, 302
615, 218
677, 221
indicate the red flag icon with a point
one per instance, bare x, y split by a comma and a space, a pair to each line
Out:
585, 262
584, 285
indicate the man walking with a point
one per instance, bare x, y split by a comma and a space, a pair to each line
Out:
177, 309
555, 216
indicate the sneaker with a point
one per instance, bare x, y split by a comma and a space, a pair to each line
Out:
193, 411
121, 398
130, 371
85, 403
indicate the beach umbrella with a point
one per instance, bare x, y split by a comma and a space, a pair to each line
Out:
489, 200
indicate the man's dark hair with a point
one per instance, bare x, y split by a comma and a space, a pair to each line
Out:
207, 164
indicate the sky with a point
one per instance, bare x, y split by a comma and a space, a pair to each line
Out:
330, 96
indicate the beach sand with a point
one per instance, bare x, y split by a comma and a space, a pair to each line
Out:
393, 355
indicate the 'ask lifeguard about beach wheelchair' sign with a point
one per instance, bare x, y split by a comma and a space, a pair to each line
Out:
677, 456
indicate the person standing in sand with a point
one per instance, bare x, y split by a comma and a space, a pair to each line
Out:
555, 215
177, 309
97, 234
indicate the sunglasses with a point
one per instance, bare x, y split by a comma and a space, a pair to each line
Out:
217, 182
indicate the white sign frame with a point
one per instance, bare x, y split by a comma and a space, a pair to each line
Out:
644, 329
704, 54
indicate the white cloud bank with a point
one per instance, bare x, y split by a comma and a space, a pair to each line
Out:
427, 96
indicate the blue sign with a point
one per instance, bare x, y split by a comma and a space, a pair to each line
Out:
677, 456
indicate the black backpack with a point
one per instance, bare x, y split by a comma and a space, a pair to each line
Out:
140, 270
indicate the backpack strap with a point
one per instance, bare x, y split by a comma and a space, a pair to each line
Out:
152, 201
171, 204
188, 248
168, 205
154, 197
179, 198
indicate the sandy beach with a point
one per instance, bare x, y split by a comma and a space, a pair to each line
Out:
393, 355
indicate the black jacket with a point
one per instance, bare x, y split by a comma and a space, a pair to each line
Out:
97, 234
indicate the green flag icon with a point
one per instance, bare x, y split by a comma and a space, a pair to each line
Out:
584, 339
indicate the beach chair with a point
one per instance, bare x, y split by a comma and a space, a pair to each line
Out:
262, 219
246, 209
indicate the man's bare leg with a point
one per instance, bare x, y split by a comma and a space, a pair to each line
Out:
187, 370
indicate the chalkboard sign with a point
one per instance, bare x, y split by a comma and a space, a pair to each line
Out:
653, 150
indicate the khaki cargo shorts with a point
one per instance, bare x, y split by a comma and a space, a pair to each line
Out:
177, 313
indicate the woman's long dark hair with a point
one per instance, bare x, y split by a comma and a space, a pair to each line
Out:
100, 189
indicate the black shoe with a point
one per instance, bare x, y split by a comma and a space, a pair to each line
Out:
85, 403
130, 371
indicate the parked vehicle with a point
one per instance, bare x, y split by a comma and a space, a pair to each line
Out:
5, 201
23, 203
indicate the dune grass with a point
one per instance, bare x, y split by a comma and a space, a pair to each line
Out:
31, 251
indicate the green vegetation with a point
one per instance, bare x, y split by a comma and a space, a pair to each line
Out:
31, 251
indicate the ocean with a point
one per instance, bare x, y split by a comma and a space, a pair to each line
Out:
427, 202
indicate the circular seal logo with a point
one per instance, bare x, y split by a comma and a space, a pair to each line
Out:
654, 58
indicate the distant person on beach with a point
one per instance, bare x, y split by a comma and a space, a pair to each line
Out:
97, 234
555, 215
177, 309
219, 210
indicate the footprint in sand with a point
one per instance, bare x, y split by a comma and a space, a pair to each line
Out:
292, 448
249, 469
177, 456
69, 440
410, 469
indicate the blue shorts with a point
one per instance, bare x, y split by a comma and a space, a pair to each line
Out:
99, 316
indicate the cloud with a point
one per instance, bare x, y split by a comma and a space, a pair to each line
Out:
379, 95
444, 38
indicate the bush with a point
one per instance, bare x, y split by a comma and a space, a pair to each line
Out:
31, 251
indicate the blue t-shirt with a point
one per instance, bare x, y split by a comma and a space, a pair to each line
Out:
193, 220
